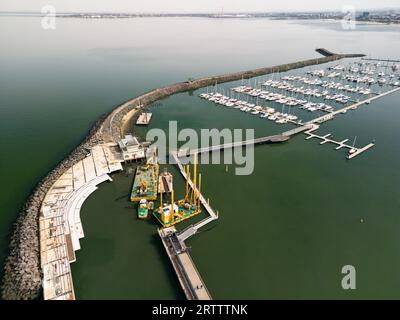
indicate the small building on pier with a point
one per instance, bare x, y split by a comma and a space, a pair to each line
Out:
131, 148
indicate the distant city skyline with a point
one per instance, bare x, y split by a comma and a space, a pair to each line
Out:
193, 6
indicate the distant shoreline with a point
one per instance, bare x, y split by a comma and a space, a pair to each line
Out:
312, 16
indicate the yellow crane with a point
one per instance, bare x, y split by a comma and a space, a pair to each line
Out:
185, 208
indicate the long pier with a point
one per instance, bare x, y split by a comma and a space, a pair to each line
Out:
268, 139
189, 277
231, 145
297, 130
353, 106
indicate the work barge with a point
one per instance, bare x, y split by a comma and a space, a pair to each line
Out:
50, 219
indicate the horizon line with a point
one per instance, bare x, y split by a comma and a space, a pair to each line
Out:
207, 12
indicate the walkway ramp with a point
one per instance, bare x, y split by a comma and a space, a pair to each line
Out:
297, 130
269, 139
193, 229
186, 233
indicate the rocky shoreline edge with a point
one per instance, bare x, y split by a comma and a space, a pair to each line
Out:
22, 272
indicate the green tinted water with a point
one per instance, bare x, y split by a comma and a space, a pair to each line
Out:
284, 231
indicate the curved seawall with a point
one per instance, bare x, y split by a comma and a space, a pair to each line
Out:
22, 272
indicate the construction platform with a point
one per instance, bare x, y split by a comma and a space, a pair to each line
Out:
189, 206
189, 277
181, 213
145, 184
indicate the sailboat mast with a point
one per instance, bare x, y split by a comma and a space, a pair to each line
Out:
354, 142
194, 178
198, 204
187, 183
161, 200
172, 206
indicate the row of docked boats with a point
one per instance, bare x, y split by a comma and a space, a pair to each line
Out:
289, 101
361, 72
330, 85
368, 65
269, 96
332, 72
263, 112
325, 94
346, 76
288, 90
381, 80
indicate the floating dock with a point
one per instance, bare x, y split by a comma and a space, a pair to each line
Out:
353, 151
144, 118
358, 151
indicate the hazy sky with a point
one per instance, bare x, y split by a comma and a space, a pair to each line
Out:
192, 5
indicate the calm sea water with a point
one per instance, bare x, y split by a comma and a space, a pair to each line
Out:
284, 232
